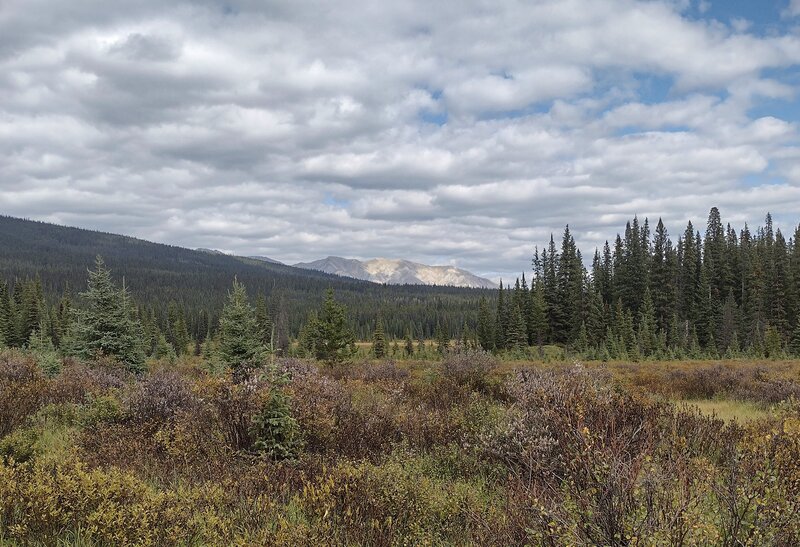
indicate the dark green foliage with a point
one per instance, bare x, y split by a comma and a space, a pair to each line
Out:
379, 339
329, 336
240, 339
163, 349
264, 321
794, 344
442, 338
485, 326
707, 296
6, 319
516, 332
275, 430
409, 344
647, 335
106, 325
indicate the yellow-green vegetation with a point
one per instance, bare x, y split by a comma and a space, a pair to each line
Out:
462, 451
728, 409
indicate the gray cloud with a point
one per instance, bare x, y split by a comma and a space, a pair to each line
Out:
456, 132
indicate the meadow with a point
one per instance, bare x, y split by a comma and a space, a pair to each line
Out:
466, 450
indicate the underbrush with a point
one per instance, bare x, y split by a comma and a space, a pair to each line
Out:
455, 453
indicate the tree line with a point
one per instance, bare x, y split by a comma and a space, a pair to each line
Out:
721, 293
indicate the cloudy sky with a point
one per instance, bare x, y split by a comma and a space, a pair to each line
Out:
459, 132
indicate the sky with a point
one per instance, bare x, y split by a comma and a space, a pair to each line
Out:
454, 132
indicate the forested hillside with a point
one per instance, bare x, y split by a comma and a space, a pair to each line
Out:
165, 280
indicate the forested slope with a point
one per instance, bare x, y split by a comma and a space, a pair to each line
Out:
198, 281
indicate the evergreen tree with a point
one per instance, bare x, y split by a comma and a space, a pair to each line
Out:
442, 339
485, 330
61, 319
582, 342
502, 318
705, 310
41, 346
794, 344
780, 294
570, 281
6, 320
662, 276
180, 332
409, 344
332, 338
29, 308
263, 320
276, 431
553, 304
773, 345
240, 340
538, 324
106, 325
688, 277
516, 335
647, 335
379, 339
163, 349
728, 324
595, 321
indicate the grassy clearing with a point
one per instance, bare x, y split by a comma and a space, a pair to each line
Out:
728, 409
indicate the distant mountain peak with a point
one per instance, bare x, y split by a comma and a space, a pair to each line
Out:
266, 259
395, 271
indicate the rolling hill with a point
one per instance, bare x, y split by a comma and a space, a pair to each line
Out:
199, 280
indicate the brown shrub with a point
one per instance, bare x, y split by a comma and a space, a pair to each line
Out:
382, 371
77, 381
159, 397
469, 368
231, 406
23, 390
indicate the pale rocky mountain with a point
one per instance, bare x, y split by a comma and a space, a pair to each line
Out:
398, 272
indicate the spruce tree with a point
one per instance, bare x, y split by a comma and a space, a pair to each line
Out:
106, 325
379, 339
163, 349
794, 344
582, 342
409, 343
41, 346
442, 339
180, 332
502, 318
773, 345
662, 276
333, 339
647, 335
485, 328
595, 320
538, 324
516, 335
729, 322
239, 337
6, 321
263, 320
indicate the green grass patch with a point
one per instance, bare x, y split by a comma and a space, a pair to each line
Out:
729, 409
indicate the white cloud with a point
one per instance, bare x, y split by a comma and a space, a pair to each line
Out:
442, 131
